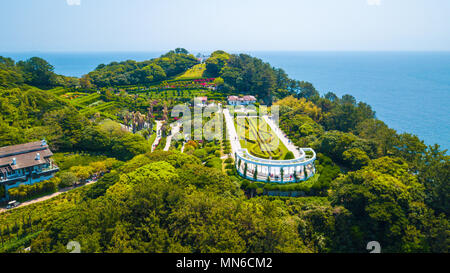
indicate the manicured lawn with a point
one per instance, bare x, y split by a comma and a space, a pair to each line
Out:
259, 139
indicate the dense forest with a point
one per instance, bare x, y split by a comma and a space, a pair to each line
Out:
135, 73
372, 184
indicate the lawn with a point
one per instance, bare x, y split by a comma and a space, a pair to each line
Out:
195, 72
259, 139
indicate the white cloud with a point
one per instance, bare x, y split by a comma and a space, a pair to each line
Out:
373, 2
73, 2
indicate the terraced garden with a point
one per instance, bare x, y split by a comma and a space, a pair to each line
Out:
258, 138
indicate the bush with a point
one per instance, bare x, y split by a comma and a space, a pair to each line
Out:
200, 153
2, 191
26, 192
289, 155
68, 179
102, 185
229, 160
214, 163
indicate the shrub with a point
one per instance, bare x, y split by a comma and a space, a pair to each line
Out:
68, 179
289, 155
200, 153
26, 192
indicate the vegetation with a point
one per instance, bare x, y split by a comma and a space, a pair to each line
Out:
371, 182
132, 72
259, 139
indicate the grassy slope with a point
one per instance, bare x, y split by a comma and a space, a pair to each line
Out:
195, 72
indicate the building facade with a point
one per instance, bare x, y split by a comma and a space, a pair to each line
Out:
25, 164
200, 101
246, 100
278, 171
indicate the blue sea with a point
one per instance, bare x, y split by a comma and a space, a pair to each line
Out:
410, 91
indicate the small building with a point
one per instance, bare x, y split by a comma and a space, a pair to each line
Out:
25, 164
200, 101
246, 100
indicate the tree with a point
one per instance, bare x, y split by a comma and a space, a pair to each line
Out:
216, 62
307, 91
434, 174
68, 179
356, 158
38, 72
83, 173
331, 96
378, 131
379, 197
410, 148
85, 82
181, 51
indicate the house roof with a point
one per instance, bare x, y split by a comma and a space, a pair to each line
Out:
249, 98
202, 98
25, 155
245, 98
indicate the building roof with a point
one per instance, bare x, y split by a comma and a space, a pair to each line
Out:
202, 98
249, 98
25, 155
245, 98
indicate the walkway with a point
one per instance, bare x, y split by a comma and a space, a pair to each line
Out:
231, 129
182, 147
173, 132
289, 145
158, 134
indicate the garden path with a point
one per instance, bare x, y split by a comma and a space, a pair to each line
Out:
289, 145
158, 134
175, 129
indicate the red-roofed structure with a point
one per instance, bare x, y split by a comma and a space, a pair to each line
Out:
246, 100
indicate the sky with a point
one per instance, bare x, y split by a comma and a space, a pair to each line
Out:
233, 25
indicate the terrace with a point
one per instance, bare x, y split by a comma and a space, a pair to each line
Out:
266, 164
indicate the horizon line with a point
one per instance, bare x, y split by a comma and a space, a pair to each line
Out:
204, 51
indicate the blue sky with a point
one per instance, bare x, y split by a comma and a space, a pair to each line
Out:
154, 25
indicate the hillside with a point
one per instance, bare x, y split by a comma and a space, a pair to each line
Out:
372, 183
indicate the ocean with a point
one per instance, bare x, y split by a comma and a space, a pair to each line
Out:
410, 91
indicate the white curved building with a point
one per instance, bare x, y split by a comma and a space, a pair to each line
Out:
278, 171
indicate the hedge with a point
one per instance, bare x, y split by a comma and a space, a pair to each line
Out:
27, 192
